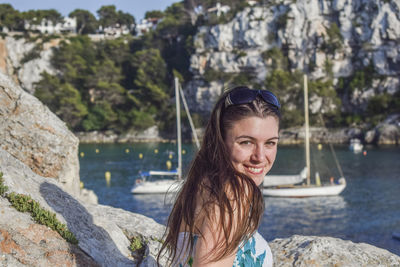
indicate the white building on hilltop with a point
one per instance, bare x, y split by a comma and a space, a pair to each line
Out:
146, 25
116, 31
48, 27
219, 9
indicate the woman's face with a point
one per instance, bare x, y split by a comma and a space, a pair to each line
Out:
252, 143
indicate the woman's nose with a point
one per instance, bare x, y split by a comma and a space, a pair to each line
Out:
258, 154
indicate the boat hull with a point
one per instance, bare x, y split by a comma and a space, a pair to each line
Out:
157, 187
305, 191
280, 180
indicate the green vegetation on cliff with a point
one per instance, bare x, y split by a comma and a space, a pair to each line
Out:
119, 84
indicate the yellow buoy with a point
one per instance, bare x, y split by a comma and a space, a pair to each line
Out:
170, 156
82, 154
127, 151
156, 151
107, 175
140, 155
317, 179
319, 146
81, 185
97, 151
183, 151
169, 164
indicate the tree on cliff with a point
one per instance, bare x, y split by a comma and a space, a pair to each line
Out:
109, 17
86, 21
150, 86
61, 98
10, 18
36, 16
154, 14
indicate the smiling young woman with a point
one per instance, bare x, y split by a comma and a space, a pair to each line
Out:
216, 215
252, 145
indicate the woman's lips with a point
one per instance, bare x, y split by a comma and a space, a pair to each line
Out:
254, 170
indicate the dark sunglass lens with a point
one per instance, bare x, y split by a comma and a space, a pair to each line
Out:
270, 98
242, 96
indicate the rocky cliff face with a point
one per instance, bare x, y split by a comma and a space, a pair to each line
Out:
24, 61
347, 35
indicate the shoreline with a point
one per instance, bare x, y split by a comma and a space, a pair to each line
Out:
382, 135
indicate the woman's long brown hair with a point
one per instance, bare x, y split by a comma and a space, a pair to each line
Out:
213, 177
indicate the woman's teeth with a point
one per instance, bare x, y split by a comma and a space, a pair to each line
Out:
255, 170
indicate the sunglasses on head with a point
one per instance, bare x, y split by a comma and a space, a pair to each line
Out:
245, 95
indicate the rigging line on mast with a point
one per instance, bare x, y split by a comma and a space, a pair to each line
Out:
178, 127
196, 139
333, 151
306, 128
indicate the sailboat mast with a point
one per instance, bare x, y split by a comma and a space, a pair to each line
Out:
178, 127
307, 130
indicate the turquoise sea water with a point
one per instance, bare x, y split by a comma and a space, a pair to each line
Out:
368, 210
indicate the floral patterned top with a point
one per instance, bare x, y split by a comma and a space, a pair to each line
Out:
253, 253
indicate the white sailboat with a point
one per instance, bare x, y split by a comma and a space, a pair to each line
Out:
355, 145
162, 186
307, 190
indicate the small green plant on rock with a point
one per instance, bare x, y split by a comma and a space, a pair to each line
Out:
138, 248
137, 244
25, 203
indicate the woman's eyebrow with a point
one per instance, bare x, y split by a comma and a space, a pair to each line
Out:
252, 138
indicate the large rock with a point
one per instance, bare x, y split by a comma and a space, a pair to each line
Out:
33, 134
26, 243
103, 232
310, 251
389, 130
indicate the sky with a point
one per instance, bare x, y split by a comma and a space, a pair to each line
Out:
137, 8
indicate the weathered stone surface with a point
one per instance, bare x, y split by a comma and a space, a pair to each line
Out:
17, 48
389, 131
370, 136
149, 134
88, 196
97, 137
133, 225
25, 243
27, 73
33, 134
103, 232
309, 251
319, 135
94, 137
30, 72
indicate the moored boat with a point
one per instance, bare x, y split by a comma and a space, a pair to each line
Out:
307, 189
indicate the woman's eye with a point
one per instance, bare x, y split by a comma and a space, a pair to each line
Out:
245, 142
271, 143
